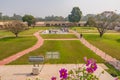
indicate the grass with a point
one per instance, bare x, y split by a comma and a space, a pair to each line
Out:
12, 45
89, 30
31, 31
85, 29
114, 72
4, 33
70, 52
58, 36
109, 43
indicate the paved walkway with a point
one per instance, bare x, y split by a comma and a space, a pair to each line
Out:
22, 72
103, 55
19, 54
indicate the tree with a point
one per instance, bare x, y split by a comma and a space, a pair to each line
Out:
75, 15
16, 17
91, 22
106, 20
0, 16
54, 18
15, 27
85, 18
5, 17
29, 19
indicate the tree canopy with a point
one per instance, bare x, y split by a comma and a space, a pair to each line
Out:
29, 19
91, 22
75, 15
106, 20
15, 27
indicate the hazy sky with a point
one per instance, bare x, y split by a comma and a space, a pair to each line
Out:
42, 8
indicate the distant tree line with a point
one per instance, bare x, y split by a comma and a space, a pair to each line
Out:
47, 18
6, 17
52, 18
19, 17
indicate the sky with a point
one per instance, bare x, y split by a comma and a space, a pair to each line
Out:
42, 8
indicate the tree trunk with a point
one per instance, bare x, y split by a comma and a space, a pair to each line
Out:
16, 34
101, 34
75, 24
33, 26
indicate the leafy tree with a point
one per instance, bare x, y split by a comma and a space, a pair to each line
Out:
29, 19
106, 20
85, 18
0, 16
16, 17
91, 22
15, 27
5, 17
39, 19
75, 15
54, 18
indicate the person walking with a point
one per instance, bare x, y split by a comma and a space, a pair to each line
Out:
81, 35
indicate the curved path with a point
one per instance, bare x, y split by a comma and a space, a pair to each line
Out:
26, 51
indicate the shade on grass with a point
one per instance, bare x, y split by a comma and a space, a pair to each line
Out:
58, 36
70, 52
109, 43
12, 45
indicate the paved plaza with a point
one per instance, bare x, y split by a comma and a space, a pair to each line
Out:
23, 72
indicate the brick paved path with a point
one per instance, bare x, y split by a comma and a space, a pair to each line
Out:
26, 51
111, 60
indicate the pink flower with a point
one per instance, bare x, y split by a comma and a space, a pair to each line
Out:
85, 59
91, 65
89, 70
63, 73
116, 78
53, 78
92, 68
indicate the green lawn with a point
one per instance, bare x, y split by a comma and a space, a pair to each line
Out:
33, 30
85, 29
58, 36
109, 43
4, 33
12, 45
89, 30
70, 52
114, 72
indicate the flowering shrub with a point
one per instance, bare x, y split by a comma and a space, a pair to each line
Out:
80, 73
85, 73
91, 65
